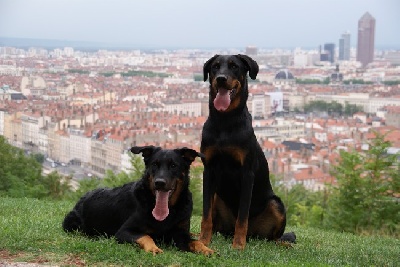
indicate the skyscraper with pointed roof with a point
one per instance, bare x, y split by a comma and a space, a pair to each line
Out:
366, 39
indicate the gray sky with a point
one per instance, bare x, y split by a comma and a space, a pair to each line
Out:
199, 24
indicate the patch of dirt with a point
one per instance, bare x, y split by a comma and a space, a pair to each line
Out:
8, 259
6, 255
74, 260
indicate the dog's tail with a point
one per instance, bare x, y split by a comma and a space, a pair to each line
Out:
72, 222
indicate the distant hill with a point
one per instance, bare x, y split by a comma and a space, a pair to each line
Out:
26, 43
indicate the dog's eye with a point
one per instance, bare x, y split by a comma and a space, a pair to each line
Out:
233, 66
216, 67
172, 165
154, 164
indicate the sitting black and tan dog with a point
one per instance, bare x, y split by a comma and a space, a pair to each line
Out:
238, 199
158, 207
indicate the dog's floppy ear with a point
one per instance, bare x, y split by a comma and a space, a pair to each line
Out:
189, 154
147, 151
251, 65
207, 67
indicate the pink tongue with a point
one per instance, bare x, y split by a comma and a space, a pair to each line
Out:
161, 211
222, 100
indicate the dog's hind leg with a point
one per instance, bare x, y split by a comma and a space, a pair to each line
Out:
271, 223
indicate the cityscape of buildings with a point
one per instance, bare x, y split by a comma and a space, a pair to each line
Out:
86, 109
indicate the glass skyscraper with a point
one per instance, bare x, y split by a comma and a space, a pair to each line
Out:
366, 39
344, 46
330, 50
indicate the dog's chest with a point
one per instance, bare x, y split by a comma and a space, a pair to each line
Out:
225, 154
226, 145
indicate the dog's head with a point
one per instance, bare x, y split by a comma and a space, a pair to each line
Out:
167, 172
228, 79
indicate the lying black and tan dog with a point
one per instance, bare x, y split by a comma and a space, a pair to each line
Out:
238, 198
157, 207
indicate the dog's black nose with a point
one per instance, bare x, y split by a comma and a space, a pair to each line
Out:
160, 183
221, 79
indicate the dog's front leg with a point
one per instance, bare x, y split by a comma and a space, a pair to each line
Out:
184, 242
133, 231
148, 245
208, 203
241, 226
145, 241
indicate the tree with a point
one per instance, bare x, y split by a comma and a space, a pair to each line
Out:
20, 175
55, 185
350, 109
39, 157
367, 192
303, 207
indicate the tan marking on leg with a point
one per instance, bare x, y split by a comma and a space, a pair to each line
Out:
198, 247
279, 218
206, 229
206, 226
148, 245
239, 239
268, 223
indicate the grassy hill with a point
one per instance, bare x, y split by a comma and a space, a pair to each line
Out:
30, 231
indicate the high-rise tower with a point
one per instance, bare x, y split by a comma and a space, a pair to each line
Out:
330, 50
366, 39
344, 46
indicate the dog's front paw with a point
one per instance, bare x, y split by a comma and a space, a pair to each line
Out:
148, 245
153, 249
199, 247
239, 243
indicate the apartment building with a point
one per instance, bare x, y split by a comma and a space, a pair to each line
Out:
53, 141
369, 104
43, 140
295, 100
283, 130
257, 105
31, 123
185, 107
13, 128
98, 155
393, 116
65, 145
116, 143
80, 146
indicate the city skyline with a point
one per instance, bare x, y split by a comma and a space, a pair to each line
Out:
196, 24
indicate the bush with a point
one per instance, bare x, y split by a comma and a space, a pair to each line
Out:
364, 199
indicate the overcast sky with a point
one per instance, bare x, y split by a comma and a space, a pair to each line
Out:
199, 24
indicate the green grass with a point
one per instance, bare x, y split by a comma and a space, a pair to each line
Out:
30, 231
